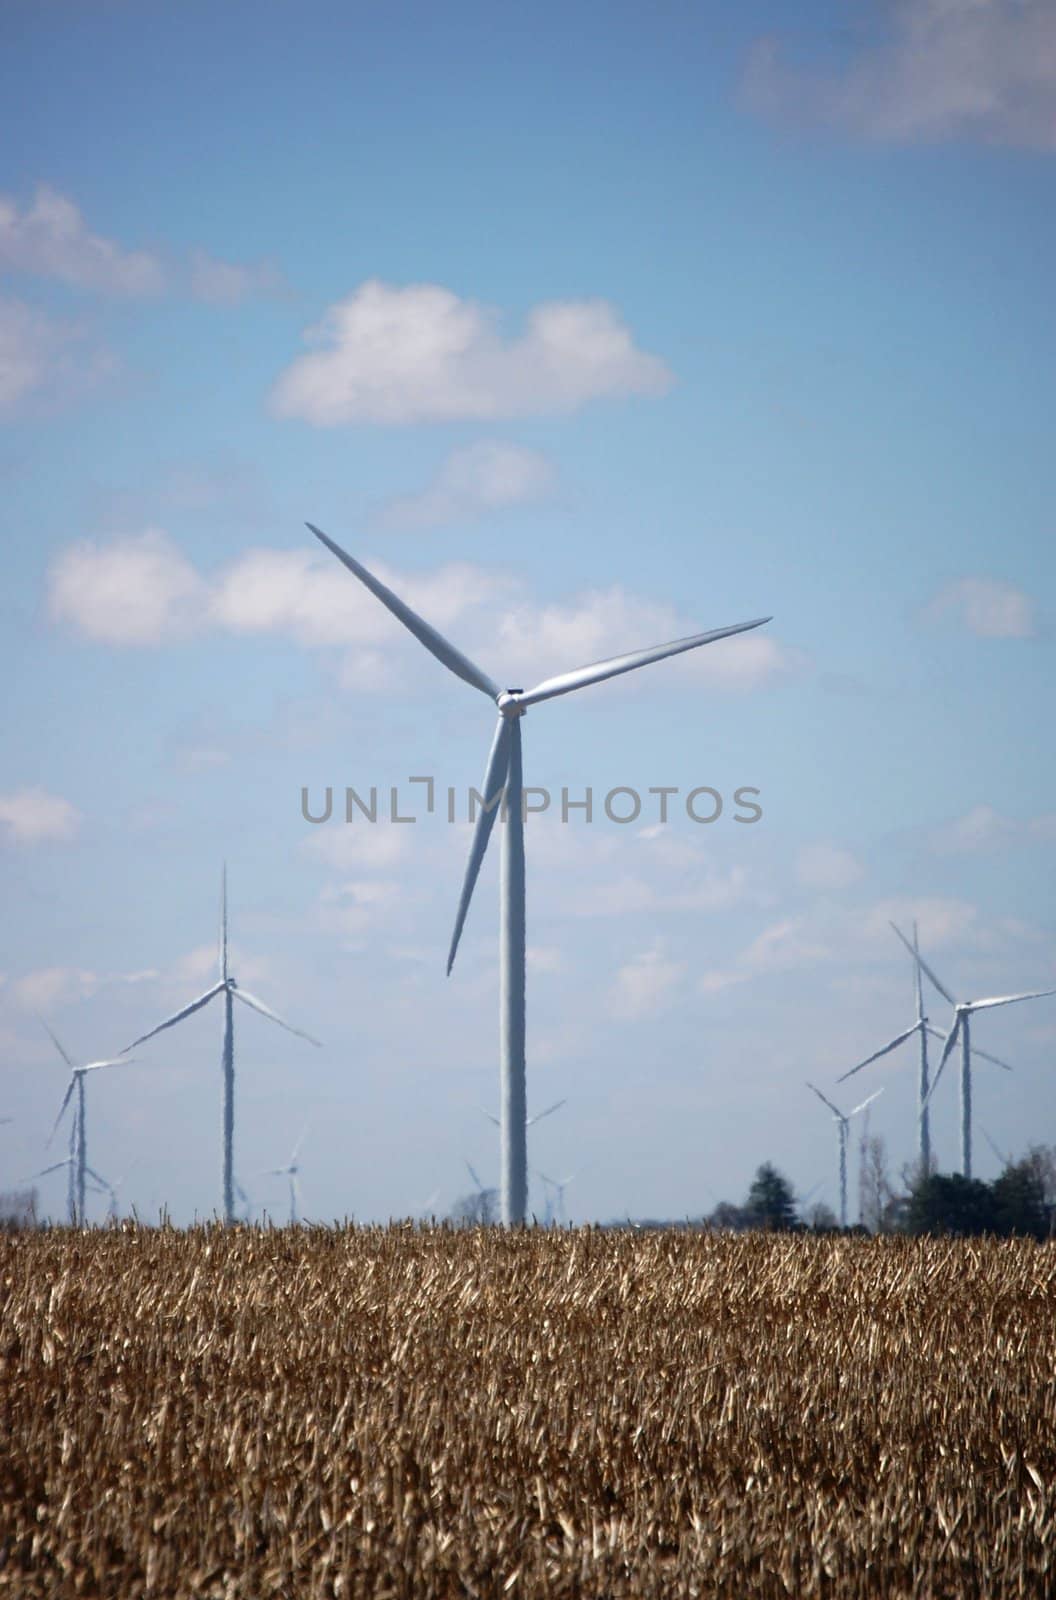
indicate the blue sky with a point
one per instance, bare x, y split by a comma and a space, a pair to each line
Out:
587, 329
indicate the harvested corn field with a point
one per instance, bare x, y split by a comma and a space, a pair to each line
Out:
394, 1412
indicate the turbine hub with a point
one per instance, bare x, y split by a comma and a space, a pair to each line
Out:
508, 703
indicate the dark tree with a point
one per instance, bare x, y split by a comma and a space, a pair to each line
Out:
1019, 1201
771, 1203
950, 1203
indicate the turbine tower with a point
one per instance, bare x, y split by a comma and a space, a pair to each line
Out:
962, 1014
503, 781
842, 1121
923, 1027
231, 990
78, 1131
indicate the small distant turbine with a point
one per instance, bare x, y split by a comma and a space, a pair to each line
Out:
842, 1120
230, 991
485, 1196
1000, 1154
963, 1011
503, 784
291, 1171
556, 1190
73, 1170
78, 1134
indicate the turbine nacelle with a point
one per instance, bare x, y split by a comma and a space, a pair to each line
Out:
509, 703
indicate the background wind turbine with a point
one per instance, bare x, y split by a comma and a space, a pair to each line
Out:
485, 1198
78, 1132
962, 1014
231, 990
70, 1163
555, 1199
503, 781
291, 1171
842, 1121
1000, 1154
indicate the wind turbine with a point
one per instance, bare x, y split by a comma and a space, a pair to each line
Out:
842, 1122
999, 1153
556, 1188
231, 990
962, 1014
485, 1197
71, 1164
921, 1026
291, 1171
503, 781
78, 1133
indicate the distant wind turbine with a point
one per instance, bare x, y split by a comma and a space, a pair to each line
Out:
1000, 1154
922, 1027
73, 1170
555, 1199
963, 1011
503, 781
291, 1171
485, 1196
842, 1121
230, 991
78, 1133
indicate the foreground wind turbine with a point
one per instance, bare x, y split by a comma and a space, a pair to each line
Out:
291, 1171
230, 991
842, 1121
962, 1013
503, 780
78, 1134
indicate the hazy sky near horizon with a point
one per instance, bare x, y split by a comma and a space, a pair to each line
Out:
586, 328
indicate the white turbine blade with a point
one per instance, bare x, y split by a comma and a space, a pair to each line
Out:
494, 780
300, 1141
66, 1100
63, 1053
223, 924
837, 1114
265, 1011
490, 1116
473, 1175
946, 995
43, 1173
1009, 999
901, 1039
580, 677
118, 1061
434, 642
1000, 1154
549, 1110
104, 1181
864, 1103
947, 1050
195, 1005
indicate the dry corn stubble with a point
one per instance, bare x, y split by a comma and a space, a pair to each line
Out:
401, 1412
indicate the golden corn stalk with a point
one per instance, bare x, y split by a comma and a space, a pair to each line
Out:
417, 1413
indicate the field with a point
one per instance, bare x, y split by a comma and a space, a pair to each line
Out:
392, 1412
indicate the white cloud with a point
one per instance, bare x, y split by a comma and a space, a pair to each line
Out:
421, 354
51, 239
133, 591
485, 477
50, 988
543, 958
986, 607
982, 69
982, 828
645, 985
44, 359
31, 816
826, 866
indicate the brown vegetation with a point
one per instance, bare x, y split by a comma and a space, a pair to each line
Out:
388, 1413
